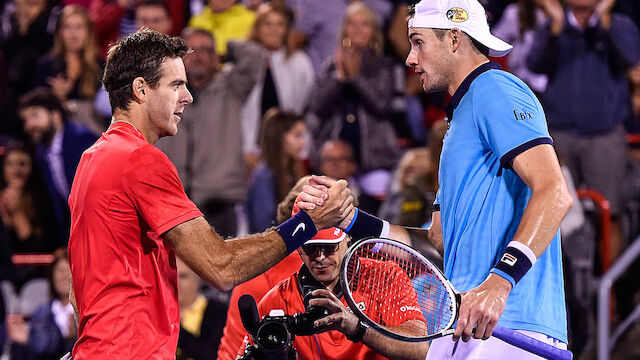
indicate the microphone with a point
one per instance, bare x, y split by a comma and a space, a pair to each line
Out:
249, 313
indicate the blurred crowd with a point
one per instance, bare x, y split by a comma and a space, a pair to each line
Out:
287, 88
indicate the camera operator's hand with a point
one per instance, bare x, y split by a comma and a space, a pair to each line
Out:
341, 318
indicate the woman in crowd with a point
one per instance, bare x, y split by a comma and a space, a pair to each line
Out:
24, 210
285, 82
72, 69
353, 102
51, 330
283, 141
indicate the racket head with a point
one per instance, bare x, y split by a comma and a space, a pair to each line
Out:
397, 291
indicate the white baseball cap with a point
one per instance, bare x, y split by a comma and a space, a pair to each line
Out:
466, 15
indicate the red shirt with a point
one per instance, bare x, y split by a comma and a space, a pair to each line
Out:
126, 194
333, 345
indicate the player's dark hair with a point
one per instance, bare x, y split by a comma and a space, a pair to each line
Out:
42, 97
478, 47
138, 55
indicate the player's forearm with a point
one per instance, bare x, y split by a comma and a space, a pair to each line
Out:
543, 215
395, 349
225, 264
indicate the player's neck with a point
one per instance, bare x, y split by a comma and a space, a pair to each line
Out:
138, 120
464, 68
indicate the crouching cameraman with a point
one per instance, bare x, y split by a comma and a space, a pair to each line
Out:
337, 333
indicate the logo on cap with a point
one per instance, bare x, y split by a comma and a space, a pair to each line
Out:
457, 14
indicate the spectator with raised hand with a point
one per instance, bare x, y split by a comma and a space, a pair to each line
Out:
517, 27
226, 20
208, 150
283, 140
317, 26
353, 99
586, 50
285, 80
51, 330
27, 226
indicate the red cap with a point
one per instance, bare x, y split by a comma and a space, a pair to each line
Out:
331, 235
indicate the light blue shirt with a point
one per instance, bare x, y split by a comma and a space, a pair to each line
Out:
493, 117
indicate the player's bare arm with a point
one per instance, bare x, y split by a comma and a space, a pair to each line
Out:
225, 264
538, 167
343, 320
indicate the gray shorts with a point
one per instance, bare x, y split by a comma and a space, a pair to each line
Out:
596, 162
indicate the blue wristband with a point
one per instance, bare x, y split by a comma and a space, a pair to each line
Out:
515, 262
297, 230
364, 225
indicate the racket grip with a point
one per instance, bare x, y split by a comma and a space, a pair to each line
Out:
530, 344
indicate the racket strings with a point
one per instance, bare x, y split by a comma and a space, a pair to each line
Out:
398, 291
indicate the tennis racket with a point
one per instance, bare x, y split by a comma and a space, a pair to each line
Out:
395, 290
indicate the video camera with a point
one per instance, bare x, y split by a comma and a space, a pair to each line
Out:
273, 335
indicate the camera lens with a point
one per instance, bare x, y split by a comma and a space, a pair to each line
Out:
273, 336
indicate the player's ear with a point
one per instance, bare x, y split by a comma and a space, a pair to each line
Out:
454, 37
140, 89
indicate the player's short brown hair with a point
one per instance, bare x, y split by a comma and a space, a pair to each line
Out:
138, 55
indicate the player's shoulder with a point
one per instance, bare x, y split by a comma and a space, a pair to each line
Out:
147, 155
495, 87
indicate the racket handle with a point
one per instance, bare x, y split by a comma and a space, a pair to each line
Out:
530, 344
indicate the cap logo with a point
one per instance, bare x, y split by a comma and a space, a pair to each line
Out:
457, 14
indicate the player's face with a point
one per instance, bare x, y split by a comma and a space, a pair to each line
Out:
166, 102
295, 140
429, 57
38, 123
74, 32
325, 267
272, 31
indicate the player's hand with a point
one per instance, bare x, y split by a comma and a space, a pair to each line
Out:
481, 308
337, 206
341, 318
317, 192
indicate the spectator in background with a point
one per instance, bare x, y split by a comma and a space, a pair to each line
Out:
59, 145
115, 18
337, 162
51, 331
234, 330
586, 51
517, 27
26, 33
317, 25
72, 69
154, 15
283, 140
27, 226
413, 191
285, 81
633, 126
201, 320
226, 20
207, 151
353, 103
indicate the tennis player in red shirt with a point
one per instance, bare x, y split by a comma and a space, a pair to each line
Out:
130, 216
345, 337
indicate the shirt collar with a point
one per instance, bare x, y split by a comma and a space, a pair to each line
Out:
56, 143
592, 22
121, 124
464, 86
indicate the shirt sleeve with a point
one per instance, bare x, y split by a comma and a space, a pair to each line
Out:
511, 121
436, 202
153, 185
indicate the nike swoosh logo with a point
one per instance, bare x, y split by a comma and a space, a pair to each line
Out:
300, 226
